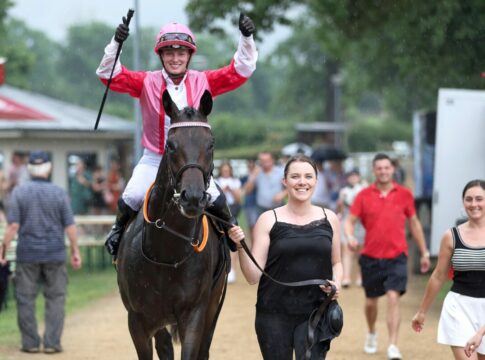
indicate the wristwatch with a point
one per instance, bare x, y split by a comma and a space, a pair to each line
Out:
426, 254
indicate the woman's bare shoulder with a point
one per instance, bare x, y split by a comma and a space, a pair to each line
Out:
267, 219
331, 215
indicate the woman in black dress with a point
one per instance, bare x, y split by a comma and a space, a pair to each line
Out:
297, 241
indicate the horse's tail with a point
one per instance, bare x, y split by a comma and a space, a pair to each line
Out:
174, 331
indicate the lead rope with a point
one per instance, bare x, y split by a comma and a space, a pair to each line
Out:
248, 252
316, 315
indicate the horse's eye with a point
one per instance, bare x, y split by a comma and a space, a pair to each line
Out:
171, 147
210, 147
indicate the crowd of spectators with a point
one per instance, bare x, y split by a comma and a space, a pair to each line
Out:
92, 189
16, 175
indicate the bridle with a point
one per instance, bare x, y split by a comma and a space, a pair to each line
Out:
174, 179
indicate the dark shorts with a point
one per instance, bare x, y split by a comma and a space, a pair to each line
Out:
252, 214
261, 210
381, 275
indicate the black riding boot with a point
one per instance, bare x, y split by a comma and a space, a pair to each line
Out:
220, 209
124, 214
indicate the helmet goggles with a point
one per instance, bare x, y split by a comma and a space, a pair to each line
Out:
176, 36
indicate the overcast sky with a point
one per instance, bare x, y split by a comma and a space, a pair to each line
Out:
55, 16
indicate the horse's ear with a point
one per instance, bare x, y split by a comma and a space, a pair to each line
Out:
170, 107
206, 103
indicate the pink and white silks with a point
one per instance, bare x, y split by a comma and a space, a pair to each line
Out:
148, 87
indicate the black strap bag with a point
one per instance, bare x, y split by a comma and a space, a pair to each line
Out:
312, 337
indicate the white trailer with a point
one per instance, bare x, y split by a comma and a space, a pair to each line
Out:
459, 156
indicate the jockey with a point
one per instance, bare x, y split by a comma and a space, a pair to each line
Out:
175, 44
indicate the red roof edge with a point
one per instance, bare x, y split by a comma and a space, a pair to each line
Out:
12, 110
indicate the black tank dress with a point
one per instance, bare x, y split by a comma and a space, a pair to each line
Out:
296, 253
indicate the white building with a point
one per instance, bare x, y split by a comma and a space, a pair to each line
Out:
30, 121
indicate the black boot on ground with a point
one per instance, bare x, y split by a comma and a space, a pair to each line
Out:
124, 214
220, 209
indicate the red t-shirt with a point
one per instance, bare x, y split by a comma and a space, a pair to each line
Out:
384, 220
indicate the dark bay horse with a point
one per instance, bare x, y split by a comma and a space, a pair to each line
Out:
164, 277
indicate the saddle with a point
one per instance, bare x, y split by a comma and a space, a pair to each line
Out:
224, 241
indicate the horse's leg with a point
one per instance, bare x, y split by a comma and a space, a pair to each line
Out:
141, 338
191, 326
212, 314
163, 344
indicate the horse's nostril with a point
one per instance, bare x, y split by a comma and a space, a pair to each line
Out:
204, 199
193, 198
183, 195
208, 196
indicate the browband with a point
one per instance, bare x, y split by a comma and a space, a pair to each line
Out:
189, 124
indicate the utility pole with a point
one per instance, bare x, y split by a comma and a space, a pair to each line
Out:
337, 80
137, 151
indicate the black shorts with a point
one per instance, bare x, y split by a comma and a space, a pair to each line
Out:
381, 275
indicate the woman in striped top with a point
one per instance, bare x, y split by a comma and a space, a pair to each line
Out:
463, 248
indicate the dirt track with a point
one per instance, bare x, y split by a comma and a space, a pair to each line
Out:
100, 332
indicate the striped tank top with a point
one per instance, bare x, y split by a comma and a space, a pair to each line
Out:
469, 267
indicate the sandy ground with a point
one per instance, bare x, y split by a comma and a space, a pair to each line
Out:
100, 331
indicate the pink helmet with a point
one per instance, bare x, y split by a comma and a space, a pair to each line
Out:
175, 34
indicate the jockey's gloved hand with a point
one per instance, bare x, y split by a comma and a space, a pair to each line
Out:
246, 25
122, 31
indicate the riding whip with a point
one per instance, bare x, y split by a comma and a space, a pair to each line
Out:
128, 18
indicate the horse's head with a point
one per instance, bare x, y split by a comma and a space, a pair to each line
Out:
189, 154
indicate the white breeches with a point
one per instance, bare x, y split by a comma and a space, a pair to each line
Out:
144, 175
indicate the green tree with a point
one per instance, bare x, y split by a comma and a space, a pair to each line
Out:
408, 47
16, 46
4, 6
371, 133
81, 56
252, 98
302, 76
32, 59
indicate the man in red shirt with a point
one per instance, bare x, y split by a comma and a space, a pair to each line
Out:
383, 209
